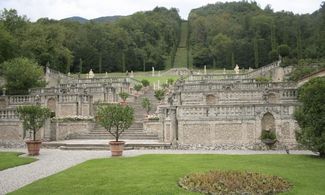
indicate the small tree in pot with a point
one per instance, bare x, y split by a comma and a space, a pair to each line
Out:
146, 104
115, 119
137, 88
160, 94
123, 96
33, 118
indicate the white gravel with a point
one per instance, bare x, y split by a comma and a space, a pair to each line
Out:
52, 161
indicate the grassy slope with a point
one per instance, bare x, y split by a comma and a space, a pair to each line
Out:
158, 174
11, 159
181, 53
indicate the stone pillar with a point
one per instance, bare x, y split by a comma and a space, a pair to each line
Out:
174, 125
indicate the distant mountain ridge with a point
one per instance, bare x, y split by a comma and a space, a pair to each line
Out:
99, 20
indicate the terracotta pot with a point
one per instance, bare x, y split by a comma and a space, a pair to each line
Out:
33, 147
124, 103
116, 147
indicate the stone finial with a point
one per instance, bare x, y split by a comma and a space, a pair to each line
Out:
91, 74
236, 69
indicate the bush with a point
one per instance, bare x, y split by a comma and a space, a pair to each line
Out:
146, 105
311, 115
262, 79
138, 87
160, 94
33, 118
234, 182
268, 135
170, 81
115, 118
22, 74
145, 82
123, 96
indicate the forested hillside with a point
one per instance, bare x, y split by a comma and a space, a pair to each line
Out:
135, 42
219, 35
225, 34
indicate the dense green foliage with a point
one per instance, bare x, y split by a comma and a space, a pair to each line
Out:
12, 159
159, 174
123, 96
224, 34
22, 74
234, 182
115, 118
311, 115
135, 42
159, 94
33, 118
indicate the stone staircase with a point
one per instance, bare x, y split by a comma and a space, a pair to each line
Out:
135, 132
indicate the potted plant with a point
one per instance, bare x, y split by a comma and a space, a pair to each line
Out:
146, 104
160, 94
137, 88
33, 118
123, 96
115, 119
268, 137
145, 83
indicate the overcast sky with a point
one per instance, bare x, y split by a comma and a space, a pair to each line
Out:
59, 9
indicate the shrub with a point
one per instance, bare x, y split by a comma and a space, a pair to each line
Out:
146, 104
33, 118
268, 135
138, 87
115, 118
145, 82
234, 182
123, 96
262, 79
311, 115
170, 81
160, 94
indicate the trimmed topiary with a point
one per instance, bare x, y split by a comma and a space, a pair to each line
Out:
234, 182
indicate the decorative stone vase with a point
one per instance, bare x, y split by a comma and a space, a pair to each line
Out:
269, 142
33, 147
116, 147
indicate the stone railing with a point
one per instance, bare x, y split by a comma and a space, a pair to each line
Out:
74, 98
237, 86
212, 77
260, 71
22, 99
238, 112
8, 114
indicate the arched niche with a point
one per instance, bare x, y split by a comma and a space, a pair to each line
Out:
268, 122
51, 104
211, 99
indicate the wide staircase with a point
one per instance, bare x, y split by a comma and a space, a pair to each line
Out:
135, 136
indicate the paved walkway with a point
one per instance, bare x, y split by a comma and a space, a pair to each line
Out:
52, 161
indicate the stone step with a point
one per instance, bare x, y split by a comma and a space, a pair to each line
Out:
103, 145
108, 136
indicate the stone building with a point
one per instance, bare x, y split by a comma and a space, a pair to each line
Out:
200, 111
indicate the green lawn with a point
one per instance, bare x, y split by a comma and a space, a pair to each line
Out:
162, 79
158, 174
12, 159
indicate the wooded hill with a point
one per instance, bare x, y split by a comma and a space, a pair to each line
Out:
219, 35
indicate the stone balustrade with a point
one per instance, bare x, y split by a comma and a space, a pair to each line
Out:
218, 112
74, 98
8, 114
237, 86
22, 99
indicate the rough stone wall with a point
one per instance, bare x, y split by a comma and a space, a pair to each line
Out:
155, 128
63, 130
11, 134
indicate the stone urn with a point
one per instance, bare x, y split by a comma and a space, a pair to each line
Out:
116, 147
33, 147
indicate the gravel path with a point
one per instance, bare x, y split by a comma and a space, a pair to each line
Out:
52, 161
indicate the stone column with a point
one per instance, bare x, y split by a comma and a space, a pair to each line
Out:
174, 125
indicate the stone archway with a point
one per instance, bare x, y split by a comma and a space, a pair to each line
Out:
211, 99
51, 104
268, 122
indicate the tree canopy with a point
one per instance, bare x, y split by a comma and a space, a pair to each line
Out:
311, 115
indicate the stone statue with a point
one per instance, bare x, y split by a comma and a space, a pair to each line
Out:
91, 74
153, 71
236, 69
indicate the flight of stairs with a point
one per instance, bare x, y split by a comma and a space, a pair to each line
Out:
135, 132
